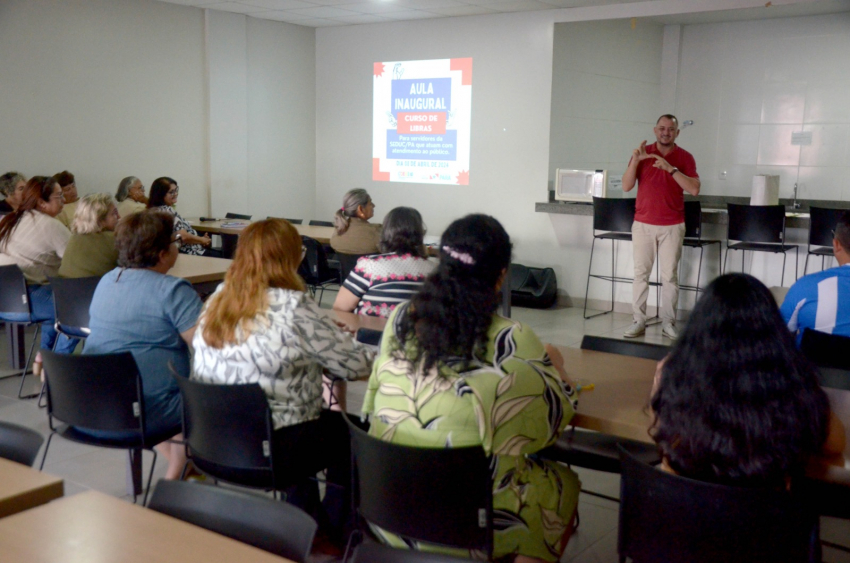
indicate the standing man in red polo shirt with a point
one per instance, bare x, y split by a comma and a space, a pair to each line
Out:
663, 171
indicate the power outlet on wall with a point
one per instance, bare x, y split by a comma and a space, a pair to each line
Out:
722, 175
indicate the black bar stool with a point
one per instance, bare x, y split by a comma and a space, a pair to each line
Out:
759, 228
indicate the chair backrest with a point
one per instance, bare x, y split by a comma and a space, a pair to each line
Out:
624, 347
317, 223
71, 299
517, 276
316, 262
295, 221
369, 336
830, 353
371, 552
271, 525
95, 391
13, 290
693, 219
19, 443
237, 216
756, 223
347, 262
613, 214
437, 495
665, 517
227, 425
822, 224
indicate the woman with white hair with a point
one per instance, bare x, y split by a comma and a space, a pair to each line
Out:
130, 196
12, 186
91, 250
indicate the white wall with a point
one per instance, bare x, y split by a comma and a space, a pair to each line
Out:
111, 88
262, 116
606, 93
105, 89
749, 85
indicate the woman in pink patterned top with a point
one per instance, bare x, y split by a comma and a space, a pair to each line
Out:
379, 283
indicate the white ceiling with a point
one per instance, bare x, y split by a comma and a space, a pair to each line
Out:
323, 13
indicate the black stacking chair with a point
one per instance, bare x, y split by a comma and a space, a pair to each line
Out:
314, 269
271, 525
317, 223
614, 216
15, 301
19, 443
228, 432
693, 239
437, 495
100, 392
295, 221
237, 216
594, 450
829, 352
370, 552
347, 262
72, 299
758, 228
665, 517
821, 232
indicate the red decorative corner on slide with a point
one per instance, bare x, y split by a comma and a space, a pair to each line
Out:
377, 175
378, 69
465, 66
463, 178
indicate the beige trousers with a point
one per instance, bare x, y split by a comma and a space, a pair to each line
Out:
669, 240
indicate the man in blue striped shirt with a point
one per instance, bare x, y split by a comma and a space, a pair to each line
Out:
821, 301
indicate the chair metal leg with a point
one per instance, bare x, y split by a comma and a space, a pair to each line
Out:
587, 288
27, 365
725, 257
46, 447
134, 473
796, 263
699, 273
150, 478
806, 264
782, 279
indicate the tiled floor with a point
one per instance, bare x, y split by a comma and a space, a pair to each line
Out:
595, 541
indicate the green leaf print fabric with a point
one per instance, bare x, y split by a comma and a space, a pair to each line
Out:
512, 402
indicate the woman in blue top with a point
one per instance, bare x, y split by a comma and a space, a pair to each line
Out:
138, 308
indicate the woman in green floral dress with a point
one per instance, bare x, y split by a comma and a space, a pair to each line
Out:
452, 373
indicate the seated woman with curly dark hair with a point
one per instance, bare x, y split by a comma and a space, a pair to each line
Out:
736, 402
453, 373
379, 283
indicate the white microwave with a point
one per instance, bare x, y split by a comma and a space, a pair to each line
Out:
580, 185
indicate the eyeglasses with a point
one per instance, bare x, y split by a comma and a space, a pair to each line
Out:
174, 191
178, 240
57, 196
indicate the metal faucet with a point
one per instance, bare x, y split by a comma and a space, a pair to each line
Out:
796, 204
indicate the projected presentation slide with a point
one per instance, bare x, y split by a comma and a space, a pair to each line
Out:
420, 121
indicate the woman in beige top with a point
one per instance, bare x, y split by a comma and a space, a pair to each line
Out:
130, 196
35, 241
91, 250
69, 191
353, 234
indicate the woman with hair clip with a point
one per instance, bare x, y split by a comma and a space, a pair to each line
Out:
736, 402
91, 250
353, 234
261, 327
453, 372
32, 238
379, 283
164, 192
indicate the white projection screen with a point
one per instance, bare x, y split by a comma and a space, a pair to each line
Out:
421, 117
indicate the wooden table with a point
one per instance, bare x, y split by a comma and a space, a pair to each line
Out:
321, 234
619, 403
23, 487
200, 269
97, 528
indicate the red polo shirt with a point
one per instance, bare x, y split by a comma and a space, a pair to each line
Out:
660, 200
